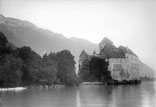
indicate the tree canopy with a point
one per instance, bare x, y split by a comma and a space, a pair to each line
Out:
94, 70
23, 67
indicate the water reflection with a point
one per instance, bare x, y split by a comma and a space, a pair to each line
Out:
117, 96
95, 96
83, 96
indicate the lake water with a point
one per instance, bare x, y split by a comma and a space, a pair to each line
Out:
143, 95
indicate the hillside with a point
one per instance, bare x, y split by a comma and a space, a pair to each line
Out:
146, 70
23, 33
24, 67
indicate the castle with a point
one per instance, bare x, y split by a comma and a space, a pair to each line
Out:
123, 62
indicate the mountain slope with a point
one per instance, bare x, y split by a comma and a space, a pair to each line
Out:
23, 33
146, 70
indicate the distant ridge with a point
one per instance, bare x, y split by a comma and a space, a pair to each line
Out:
24, 33
146, 70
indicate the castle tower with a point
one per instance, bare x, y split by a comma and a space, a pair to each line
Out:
105, 44
83, 56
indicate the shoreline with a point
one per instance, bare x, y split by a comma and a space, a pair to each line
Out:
124, 82
31, 87
113, 82
45, 87
61, 86
13, 89
92, 83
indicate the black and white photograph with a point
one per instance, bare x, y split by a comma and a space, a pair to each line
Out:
77, 53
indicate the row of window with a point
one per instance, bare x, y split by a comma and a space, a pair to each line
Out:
131, 58
134, 65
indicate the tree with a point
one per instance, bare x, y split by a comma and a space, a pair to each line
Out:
10, 71
4, 47
84, 72
64, 65
66, 68
3, 40
35, 70
32, 64
95, 69
99, 69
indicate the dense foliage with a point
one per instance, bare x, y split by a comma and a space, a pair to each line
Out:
94, 70
23, 67
84, 72
65, 67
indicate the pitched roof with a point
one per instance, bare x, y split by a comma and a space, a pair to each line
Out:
112, 54
124, 50
106, 40
100, 56
83, 54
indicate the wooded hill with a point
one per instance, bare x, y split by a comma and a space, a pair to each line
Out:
24, 67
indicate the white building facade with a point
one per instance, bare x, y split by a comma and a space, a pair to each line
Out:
123, 63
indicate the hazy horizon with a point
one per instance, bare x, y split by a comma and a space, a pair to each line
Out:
127, 23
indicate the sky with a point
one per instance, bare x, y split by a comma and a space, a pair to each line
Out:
126, 22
